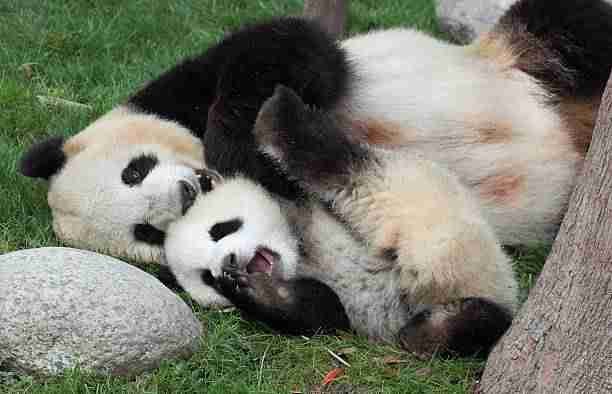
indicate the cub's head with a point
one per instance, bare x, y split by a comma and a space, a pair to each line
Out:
115, 186
237, 220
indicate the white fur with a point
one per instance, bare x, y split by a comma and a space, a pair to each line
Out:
438, 95
92, 208
445, 249
190, 249
435, 96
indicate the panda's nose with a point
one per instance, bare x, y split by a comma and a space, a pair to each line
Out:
188, 195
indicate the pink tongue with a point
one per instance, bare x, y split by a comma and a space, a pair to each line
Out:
259, 264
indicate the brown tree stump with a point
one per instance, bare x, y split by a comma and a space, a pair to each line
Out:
330, 13
561, 340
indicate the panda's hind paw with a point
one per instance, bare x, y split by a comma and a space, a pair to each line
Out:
466, 327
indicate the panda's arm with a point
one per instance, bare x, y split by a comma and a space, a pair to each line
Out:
297, 307
217, 94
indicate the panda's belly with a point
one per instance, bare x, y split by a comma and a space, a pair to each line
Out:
367, 287
488, 125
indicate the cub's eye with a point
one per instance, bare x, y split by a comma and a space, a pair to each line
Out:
206, 183
138, 169
208, 179
131, 176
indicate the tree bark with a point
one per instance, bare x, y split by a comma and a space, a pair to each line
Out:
561, 340
330, 13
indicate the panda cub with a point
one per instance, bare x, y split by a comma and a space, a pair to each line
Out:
388, 242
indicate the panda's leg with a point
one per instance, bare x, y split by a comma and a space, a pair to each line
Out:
298, 306
467, 327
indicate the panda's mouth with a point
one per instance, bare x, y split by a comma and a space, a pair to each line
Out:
262, 261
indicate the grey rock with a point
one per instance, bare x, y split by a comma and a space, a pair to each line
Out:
464, 20
62, 307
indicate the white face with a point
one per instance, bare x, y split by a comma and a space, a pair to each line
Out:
130, 177
237, 217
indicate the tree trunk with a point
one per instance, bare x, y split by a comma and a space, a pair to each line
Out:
330, 13
561, 340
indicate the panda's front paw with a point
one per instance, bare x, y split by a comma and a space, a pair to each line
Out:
233, 282
246, 290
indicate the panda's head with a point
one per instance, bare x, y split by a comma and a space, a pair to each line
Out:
237, 218
115, 186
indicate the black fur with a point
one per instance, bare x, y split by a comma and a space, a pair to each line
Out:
223, 229
468, 327
310, 307
165, 276
137, 169
188, 195
390, 254
43, 159
565, 44
148, 234
217, 95
315, 146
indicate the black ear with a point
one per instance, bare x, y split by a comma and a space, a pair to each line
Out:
283, 111
43, 159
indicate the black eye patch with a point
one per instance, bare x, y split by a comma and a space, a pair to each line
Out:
223, 229
207, 277
138, 169
146, 233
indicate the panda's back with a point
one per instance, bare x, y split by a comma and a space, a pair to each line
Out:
490, 123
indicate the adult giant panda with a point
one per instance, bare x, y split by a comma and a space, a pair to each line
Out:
511, 115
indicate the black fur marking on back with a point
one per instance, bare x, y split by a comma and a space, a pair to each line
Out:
148, 234
567, 45
138, 169
43, 159
217, 95
223, 229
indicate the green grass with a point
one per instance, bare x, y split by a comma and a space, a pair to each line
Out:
97, 53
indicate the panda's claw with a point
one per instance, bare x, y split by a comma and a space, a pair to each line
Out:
229, 265
235, 286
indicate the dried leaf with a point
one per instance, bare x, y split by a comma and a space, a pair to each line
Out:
59, 102
332, 375
393, 360
28, 69
338, 358
347, 351
425, 371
